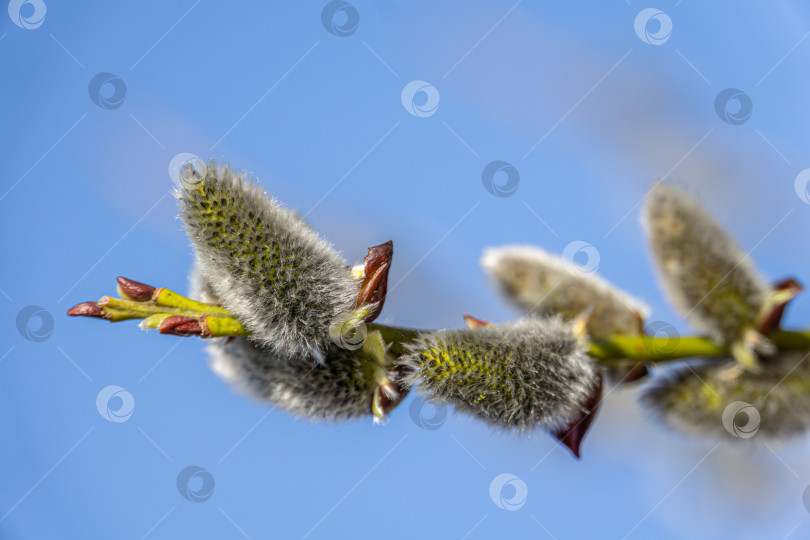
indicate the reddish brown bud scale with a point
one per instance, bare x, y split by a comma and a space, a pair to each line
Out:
134, 290
396, 375
572, 435
375, 284
472, 322
772, 320
180, 325
86, 309
389, 403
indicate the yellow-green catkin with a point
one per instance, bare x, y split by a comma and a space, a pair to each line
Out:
345, 385
716, 400
522, 375
536, 282
709, 279
539, 283
266, 265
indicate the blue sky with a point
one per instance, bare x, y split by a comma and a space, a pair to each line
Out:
587, 108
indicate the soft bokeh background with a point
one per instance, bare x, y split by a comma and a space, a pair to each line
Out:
588, 112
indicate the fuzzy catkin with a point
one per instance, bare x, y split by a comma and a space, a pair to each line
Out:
199, 288
539, 283
708, 278
531, 373
694, 399
341, 388
271, 270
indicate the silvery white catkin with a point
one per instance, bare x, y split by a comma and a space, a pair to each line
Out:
538, 283
694, 399
708, 278
271, 270
342, 387
198, 287
521, 375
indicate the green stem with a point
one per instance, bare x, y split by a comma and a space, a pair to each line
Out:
156, 307
791, 341
170, 299
651, 350
395, 336
618, 350
216, 321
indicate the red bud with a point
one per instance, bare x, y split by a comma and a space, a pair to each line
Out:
134, 290
180, 325
571, 436
773, 319
375, 285
472, 322
389, 403
86, 309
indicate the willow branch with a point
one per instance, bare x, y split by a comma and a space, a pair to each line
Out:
174, 314
623, 350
